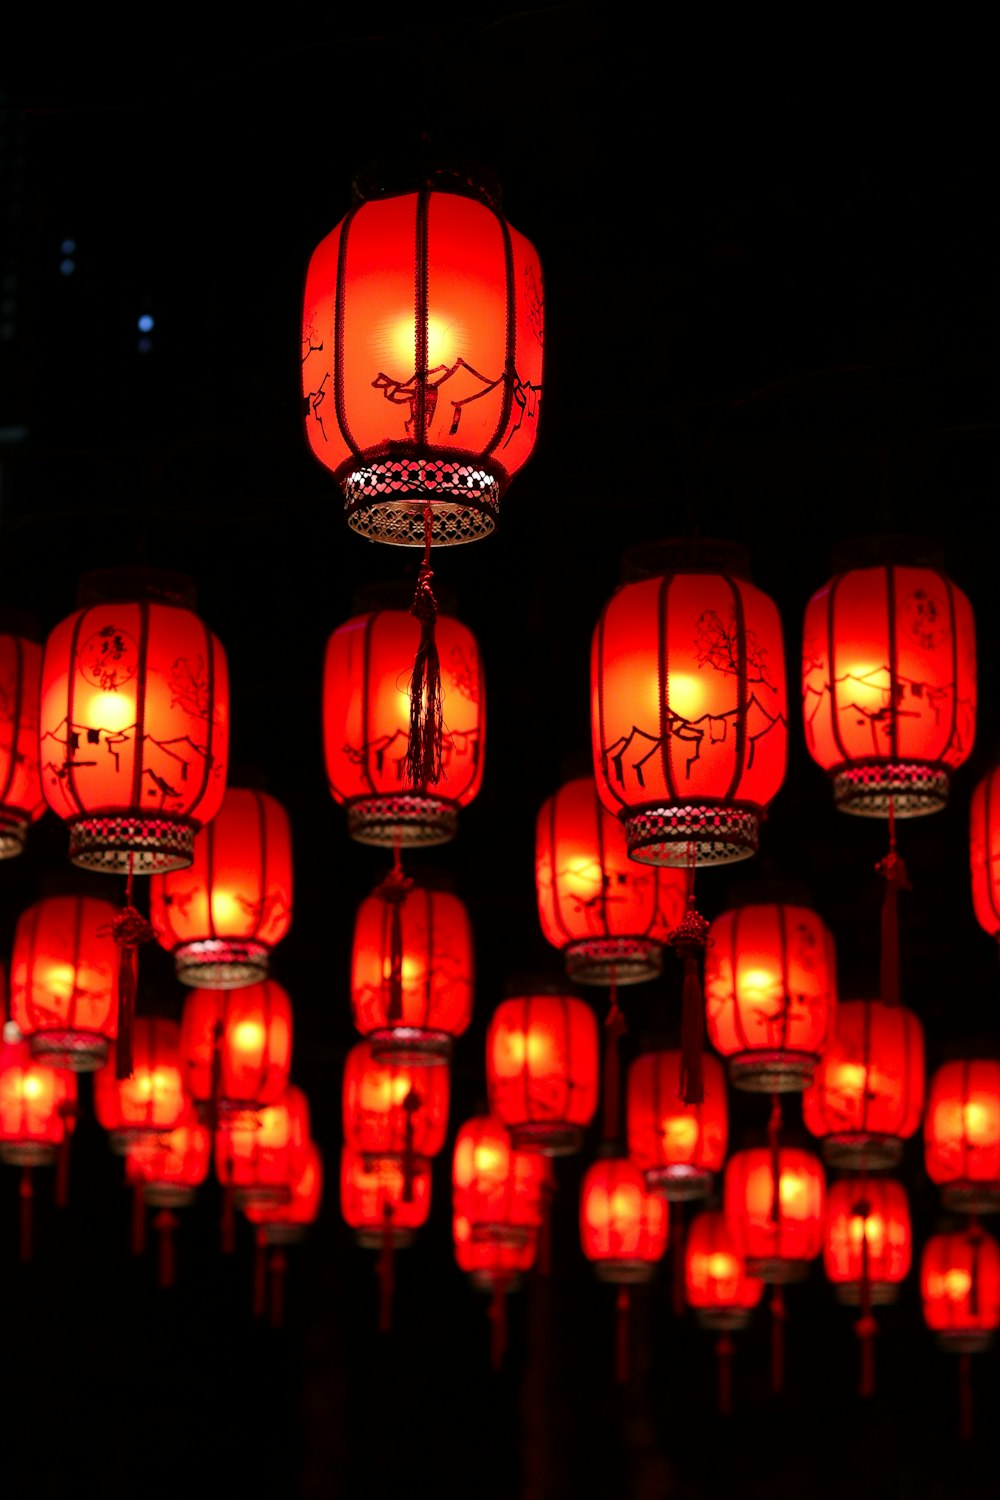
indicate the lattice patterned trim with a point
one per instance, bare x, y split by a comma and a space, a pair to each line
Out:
158, 844
913, 789
855, 1151
679, 1183
220, 963
80, 1051
13, 833
550, 1137
622, 960
416, 819
385, 501
410, 1045
714, 835
772, 1072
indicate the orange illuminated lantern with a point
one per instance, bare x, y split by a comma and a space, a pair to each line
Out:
236, 1050
867, 1093
776, 1215
222, 915
62, 980
491, 1263
770, 994
391, 1108
498, 1191
259, 1163
717, 1286
170, 1166
374, 1200
37, 1105
152, 1100
608, 915
984, 851
962, 1134
867, 1237
623, 1226
689, 712
889, 687
960, 1288
542, 1070
286, 1223
21, 799
677, 1146
134, 723
411, 972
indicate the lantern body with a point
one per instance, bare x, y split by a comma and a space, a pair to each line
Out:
259, 1164
623, 1226
542, 1070
677, 1146
962, 1134
170, 1167
21, 799
689, 715
867, 1093
715, 1279
62, 980
412, 973
366, 727
608, 914
152, 1101
984, 851
236, 1049
134, 732
375, 1202
889, 687
37, 1106
422, 359
286, 1223
391, 1108
221, 916
781, 1230
496, 1190
960, 1288
770, 994
492, 1265
867, 1220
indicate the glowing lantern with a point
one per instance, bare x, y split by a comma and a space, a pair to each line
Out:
259, 1163
867, 1094
542, 1070
37, 1105
775, 1202
678, 1146
21, 799
134, 723
962, 1134
889, 687
609, 915
392, 1109
374, 1201
623, 1226
984, 851
716, 1281
497, 1190
492, 1263
221, 916
411, 972
286, 1223
236, 1050
960, 1288
867, 1237
770, 994
165, 1172
689, 714
62, 991
152, 1100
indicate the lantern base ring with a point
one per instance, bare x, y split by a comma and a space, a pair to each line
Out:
502, 1236
410, 1046
495, 1281
680, 1182
722, 1319
625, 1272
385, 500
854, 1151
80, 1051
550, 1137
613, 960
13, 833
262, 1195
167, 1195
911, 789
775, 1268
27, 1153
375, 1238
774, 1072
149, 845
710, 833
880, 1293
280, 1233
972, 1197
964, 1340
126, 1138
221, 963
411, 819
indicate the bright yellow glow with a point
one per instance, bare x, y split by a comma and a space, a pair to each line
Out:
111, 711
687, 695
851, 1078
57, 980
870, 1228
680, 1135
31, 1086
488, 1159
975, 1119
411, 970
247, 1036
623, 1204
225, 908
791, 1190
754, 984
722, 1267
533, 1050
383, 1091
955, 1284
443, 344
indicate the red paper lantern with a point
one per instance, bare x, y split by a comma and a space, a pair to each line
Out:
222, 915
172, 1165
778, 1223
689, 713
770, 994
412, 972
391, 1108
259, 1163
867, 1237
607, 914
62, 990
715, 1279
962, 1134
236, 1049
678, 1146
37, 1106
152, 1100
489, 1263
21, 799
422, 355
960, 1287
286, 1223
867, 1093
542, 1070
134, 723
984, 851
380, 1200
497, 1190
623, 1226
889, 687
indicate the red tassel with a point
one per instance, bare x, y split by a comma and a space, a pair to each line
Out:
27, 1196
138, 1220
279, 1263
614, 1029
544, 1261
424, 748
393, 890
724, 1365
227, 1221
688, 941
129, 928
677, 1251
622, 1308
866, 1327
778, 1317
166, 1260
965, 1396
386, 1274
410, 1106
896, 880
260, 1274
498, 1323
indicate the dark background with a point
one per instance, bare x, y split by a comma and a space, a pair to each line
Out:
773, 314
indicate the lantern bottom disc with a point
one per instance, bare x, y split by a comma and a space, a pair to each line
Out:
495, 1281
410, 1046
13, 833
856, 1151
972, 1197
147, 845
550, 1137
262, 1195
964, 1340
613, 960
220, 963
911, 789
880, 1293
722, 1319
711, 834
27, 1153
776, 1268
679, 1182
376, 1237
412, 819
127, 1138
80, 1051
502, 1236
625, 1272
284, 1234
386, 500
772, 1072
167, 1195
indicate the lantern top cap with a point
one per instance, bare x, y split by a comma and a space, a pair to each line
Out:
132, 584
686, 554
901, 550
389, 179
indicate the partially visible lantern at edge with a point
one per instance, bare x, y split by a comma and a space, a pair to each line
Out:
380, 1200
134, 722
221, 916
171, 1166
391, 1108
366, 727
689, 714
542, 1070
984, 851
867, 1093
286, 1223
623, 1226
412, 972
609, 915
37, 1106
678, 1146
960, 1288
62, 980
497, 1190
21, 799
962, 1134
889, 686
152, 1100
422, 354
778, 1224
716, 1283
770, 994
868, 1237
236, 1049
260, 1162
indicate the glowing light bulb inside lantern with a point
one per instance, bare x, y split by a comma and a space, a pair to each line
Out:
444, 338
31, 1086
955, 1284
976, 1122
532, 1050
867, 683
870, 1228
624, 1204
755, 985
680, 1135
112, 711
723, 1268
580, 877
225, 908
489, 1161
850, 1079
791, 1192
687, 695
58, 980
247, 1037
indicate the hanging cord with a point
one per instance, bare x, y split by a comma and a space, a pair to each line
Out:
138, 1219
279, 1265
215, 1087
259, 1303
774, 1146
498, 1321
614, 1030
410, 1106
424, 748
385, 1271
544, 1259
129, 928
688, 941
778, 1319
724, 1364
27, 1197
227, 1216
165, 1225
394, 890
623, 1304
866, 1326
68, 1113
778, 1313
893, 870
677, 1251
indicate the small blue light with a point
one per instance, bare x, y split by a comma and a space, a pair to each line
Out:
67, 267
67, 247
145, 323
144, 345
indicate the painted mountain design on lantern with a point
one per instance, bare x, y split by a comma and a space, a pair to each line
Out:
902, 698
465, 377
393, 748
691, 733
82, 744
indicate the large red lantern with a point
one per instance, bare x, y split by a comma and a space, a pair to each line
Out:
889, 686
678, 1146
775, 1201
497, 1190
62, 980
221, 916
411, 972
867, 1093
21, 799
689, 713
542, 1070
962, 1134
170, 1166
623, 1226
37, 1106
984, 851
392, 1108
258, 1163
960, 1287
770, 994
867, 1238
716, 1283
378, 1199
608, 915
422, 355
236, 1050
286, 1223
152, 1100
492, 1264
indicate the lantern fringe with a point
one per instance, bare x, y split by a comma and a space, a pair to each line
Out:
260, 1273
166, 1260
688, 941
677, 1249
623, 1303
424, 747
279, 1264
892, 868
227, 1221
965, 1396
866, 1328
68, 1113
778, 1319
498, 1323
138, 1220
774, 1146
385, 1270
544, 1260
128, 928
724, 1365
394, 890
410, 1106
27, 1194
615, 1029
